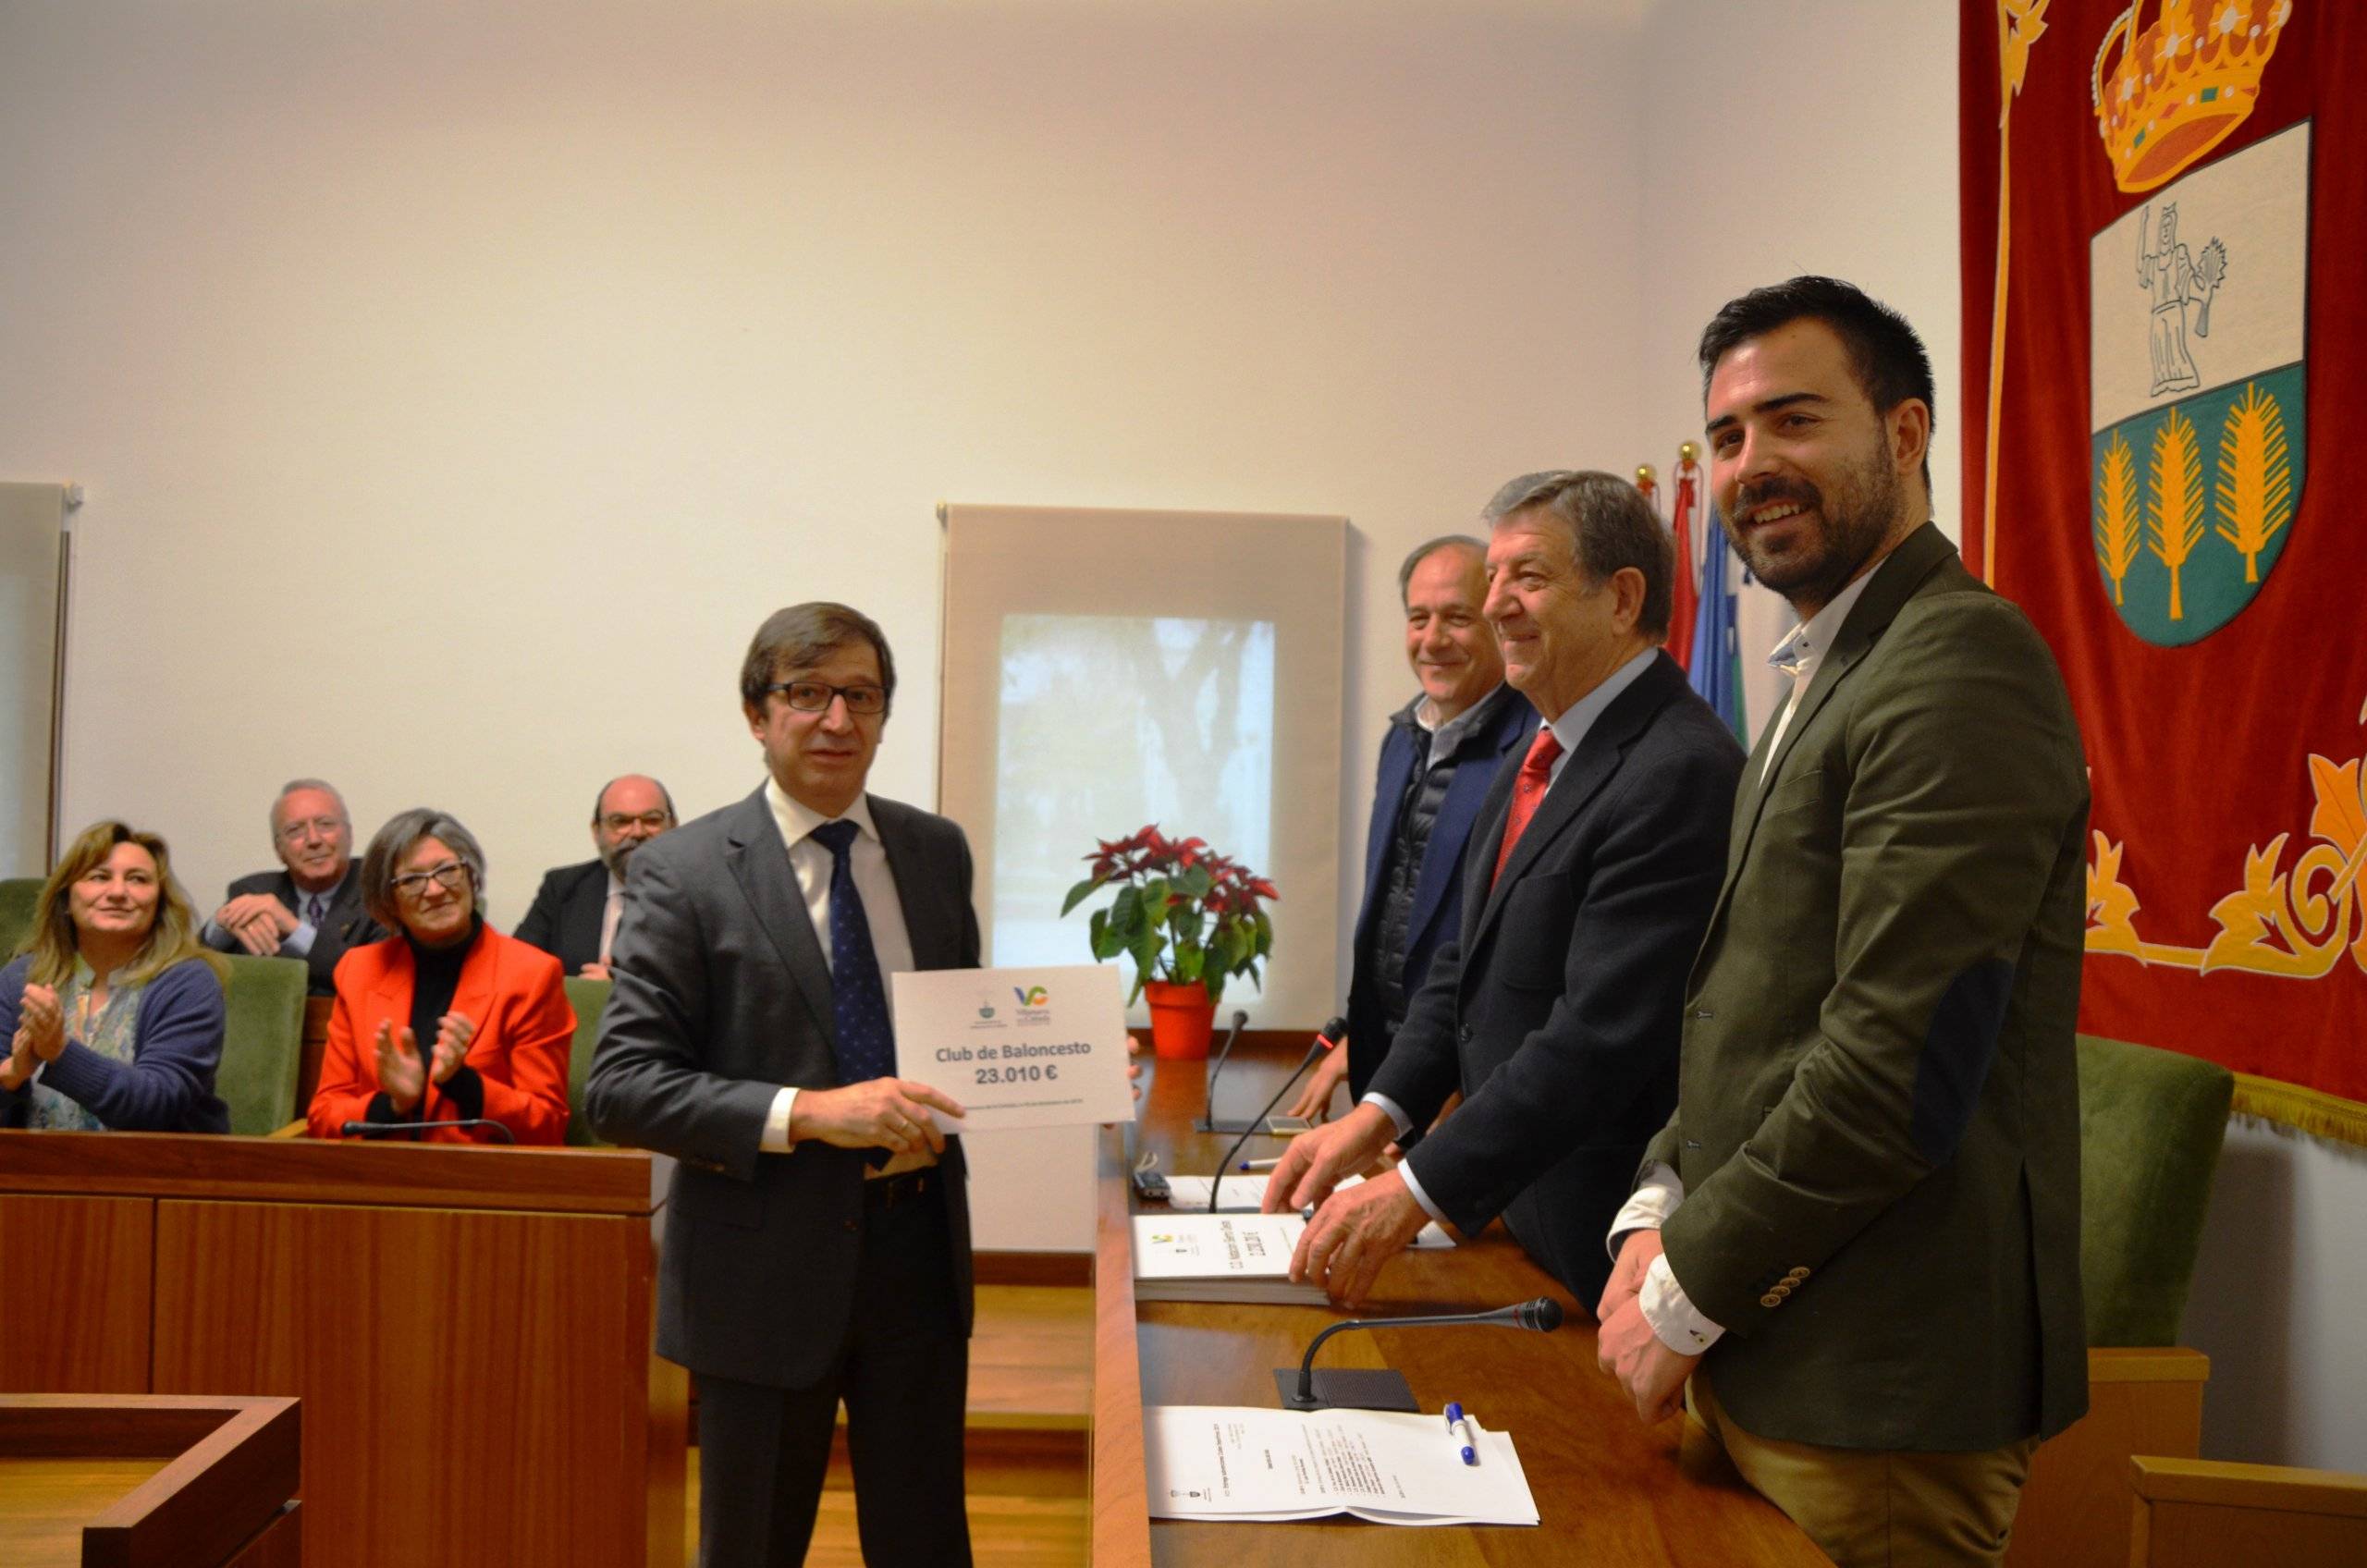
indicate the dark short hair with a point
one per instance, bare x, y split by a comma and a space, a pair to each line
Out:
1611, 526
1429, 547
1885, 355
663, 793
802, 635
399, 838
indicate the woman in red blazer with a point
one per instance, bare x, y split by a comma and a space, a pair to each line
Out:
447, 1019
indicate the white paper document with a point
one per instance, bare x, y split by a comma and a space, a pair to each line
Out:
1016, 1048
1225, 1462
1190, 1195
1243, 1258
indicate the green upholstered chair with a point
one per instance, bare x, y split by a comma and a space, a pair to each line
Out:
262, 1043
2150, 1124
588, 998
18, 896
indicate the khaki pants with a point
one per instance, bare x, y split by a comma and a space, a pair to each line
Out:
1871, 1508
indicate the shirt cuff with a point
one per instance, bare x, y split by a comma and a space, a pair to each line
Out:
1674, 1319
298, 942
1413, 1185
1390, 1108
776, 1137
1648, 1208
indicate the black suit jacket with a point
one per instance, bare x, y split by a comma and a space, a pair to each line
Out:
347, 927
565, 917
1556, 1011
722, 995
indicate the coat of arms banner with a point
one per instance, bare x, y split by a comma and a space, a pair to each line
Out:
2165, 237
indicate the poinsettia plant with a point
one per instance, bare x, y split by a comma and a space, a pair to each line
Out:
1184, 913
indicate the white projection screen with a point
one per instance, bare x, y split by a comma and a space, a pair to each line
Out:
1104, 669
33, 565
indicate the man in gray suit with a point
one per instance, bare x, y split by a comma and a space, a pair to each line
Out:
817, 1243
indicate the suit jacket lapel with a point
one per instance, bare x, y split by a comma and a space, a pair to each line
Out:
919, 888
759, 863
1585, 773
1895, 581
472, 994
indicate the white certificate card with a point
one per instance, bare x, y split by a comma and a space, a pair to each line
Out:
1017, 1048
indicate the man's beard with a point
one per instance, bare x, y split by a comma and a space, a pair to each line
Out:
614, 855
1848, 528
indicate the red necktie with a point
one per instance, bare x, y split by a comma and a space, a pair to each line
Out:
1536, 772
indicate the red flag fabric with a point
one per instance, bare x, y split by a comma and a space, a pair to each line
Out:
2161, 222
1686, 600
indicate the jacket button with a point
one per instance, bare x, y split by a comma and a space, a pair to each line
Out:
1798, 1274
1770, 1299
852, 1225
1466, 1034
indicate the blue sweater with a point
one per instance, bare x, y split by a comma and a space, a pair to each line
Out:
167, 1087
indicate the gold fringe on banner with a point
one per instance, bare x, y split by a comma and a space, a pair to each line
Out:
2304, 1110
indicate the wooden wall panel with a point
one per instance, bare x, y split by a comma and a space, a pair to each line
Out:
74, 1294
433, 1350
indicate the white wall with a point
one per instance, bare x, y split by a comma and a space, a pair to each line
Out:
456, 385
1798, 136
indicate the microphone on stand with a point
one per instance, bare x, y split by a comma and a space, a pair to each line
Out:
1207, 1122
1327, 1039
1304, 1387
363, 1129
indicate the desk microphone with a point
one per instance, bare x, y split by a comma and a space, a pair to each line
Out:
365, 1129
1361, 1389
1327, 1039
1207, 1122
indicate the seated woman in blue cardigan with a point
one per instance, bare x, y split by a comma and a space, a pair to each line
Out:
113, 1014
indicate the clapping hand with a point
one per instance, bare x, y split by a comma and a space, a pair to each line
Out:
454, 1031
401, 1073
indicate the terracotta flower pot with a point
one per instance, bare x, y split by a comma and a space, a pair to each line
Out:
1182, 1018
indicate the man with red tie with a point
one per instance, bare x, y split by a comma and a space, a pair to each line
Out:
1589, 881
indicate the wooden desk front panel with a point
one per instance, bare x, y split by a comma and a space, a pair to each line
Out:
357, 1309
74, 1294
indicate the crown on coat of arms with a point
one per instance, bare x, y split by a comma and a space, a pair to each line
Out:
2177, 87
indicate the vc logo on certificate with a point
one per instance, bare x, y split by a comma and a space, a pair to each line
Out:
1017, 1048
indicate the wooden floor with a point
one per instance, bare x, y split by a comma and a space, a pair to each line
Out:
1030, 1386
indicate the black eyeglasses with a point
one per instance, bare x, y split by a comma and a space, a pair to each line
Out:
813, 696
451, 877
655, 821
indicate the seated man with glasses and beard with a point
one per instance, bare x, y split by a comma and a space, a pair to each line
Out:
448, 1026
574, 913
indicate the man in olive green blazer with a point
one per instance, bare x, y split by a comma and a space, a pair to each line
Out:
1866, 1208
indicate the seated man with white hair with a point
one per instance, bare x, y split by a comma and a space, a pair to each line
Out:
310, 908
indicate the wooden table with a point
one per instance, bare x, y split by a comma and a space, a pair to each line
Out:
1609, 1490
469, 1329
156, 1481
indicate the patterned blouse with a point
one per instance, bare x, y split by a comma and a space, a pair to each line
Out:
109, 1031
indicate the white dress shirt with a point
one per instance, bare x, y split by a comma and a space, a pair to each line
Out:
1568, 729
890, 943
609, 914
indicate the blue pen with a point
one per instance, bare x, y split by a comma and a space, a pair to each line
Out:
1459, 1426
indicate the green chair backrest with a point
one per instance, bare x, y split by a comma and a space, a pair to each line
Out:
587, 997
2151, 1124
263, 1044
18, 896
